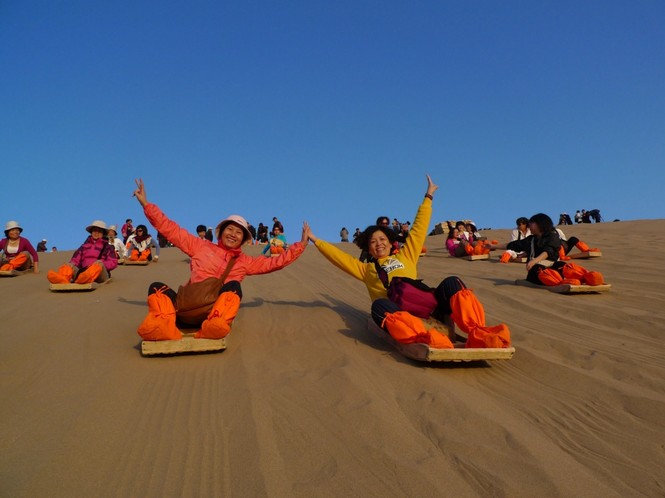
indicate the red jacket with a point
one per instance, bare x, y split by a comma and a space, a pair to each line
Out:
210, 260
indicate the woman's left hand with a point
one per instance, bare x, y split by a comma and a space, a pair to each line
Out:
431, 186
307, 233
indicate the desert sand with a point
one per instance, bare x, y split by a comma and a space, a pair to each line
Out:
306, 402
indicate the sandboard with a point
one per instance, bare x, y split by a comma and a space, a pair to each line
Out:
422, 352
9, 273
76, 287
476, 257
188, 344
136, 263
567, 288
585, 255
518, 260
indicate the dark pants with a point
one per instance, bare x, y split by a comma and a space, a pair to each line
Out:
232, 285
446, 289
569, 244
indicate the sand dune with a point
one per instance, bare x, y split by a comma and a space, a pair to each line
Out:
306, 402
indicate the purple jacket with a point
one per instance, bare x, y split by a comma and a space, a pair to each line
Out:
23, 245
92, 250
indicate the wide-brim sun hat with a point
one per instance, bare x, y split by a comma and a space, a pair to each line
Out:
114, 228
238, 220
10, 225
97, 224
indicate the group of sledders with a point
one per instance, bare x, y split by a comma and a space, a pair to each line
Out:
547, 251
225, 263
210, 300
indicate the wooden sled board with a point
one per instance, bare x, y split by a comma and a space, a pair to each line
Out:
136, 263
567, 288
75, 287
518, 260
422, 352
585, 255
188, 344
9, 273
476, 257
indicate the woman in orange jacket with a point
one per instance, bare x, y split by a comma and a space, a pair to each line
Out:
224, 259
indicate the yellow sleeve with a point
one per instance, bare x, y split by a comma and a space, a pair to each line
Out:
418, 233
342, 260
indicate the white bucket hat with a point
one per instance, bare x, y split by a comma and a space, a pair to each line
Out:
11, 225
97, 224
238, 220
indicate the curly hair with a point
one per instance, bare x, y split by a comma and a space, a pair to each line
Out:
362, 240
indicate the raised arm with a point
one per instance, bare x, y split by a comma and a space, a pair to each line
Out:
139, 193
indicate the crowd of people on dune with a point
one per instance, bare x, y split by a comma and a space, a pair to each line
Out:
387, 265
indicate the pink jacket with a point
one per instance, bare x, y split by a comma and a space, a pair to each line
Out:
451, 245
210, 260
23, 245
95, 250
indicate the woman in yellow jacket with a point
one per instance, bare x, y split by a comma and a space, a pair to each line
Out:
452, 298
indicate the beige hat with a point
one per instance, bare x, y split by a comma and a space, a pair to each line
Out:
238, 220
114, 228
11, 225
97, 224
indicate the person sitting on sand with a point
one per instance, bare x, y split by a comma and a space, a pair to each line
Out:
277, 243
468, 245
224, 261
93, 261
140, 244
521, 232
16, 252
542, 251
451, 298
116, 242
454, 243
567, 244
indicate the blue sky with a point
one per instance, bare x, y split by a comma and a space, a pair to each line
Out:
331, 112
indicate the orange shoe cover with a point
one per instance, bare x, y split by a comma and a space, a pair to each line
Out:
408, 329
573, 270
6, 267
506, 257
549, 277
582, 246
144, 255
134, 255
469, 249
62, 276
593, 278
562, 254
218, 323
17, 263
571, 281
90, 275
469, 315
159, 325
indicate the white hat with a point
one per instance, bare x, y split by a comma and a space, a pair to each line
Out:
11, 225
238, 220
114, 228
96, 224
